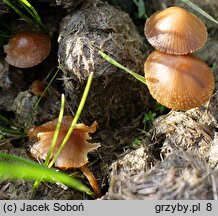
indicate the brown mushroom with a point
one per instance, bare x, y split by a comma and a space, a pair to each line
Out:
179, 82
74, 153
175, 31
27, 49
38, 87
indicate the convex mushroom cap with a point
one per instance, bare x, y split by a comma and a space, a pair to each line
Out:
74, 153
27, 49
179, 82
175, 31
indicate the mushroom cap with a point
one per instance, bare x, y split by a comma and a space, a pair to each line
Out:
27, 49
74, 153
179, 82
38, 88
175, 31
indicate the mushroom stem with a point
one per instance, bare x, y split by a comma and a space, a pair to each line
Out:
92, 180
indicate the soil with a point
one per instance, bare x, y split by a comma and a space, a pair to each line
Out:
171, 156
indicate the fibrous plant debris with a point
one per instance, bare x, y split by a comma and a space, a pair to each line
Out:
186, 143
115, 97
177, 177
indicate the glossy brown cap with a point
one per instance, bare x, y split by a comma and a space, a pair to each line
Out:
179, 82
27, 49
175, 31
74, 153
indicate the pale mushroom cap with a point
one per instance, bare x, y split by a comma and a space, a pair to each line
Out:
178, 82
74, 154
175, 31
27, 49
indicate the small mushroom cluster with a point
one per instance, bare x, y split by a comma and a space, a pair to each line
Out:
175, 78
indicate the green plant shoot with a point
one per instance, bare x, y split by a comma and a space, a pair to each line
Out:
35, 20
73, 124
14, 167
76, 117
58, 126
115, 63
54, 140
199, 10
141, 9
40, 98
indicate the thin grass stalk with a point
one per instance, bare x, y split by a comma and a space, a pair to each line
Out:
31, 10
57, 129
11, 131
20, 13
40, 98
199, 10
115, 63
15, 158
76, 117
54, 139
14, 167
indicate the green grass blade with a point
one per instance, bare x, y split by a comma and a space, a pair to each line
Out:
4, 120
115, 63
199, 10
54, 140
11, 131
21, 14
36, 21
7, 128
17, 159
40, 98
18, 171
31, 10
11, 168
46, 89
58, 126
76, 117
28, 7
141, 8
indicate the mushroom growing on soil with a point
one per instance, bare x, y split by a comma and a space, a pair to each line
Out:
27, 49
38, 87
74, 153
179, 82
175, 31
